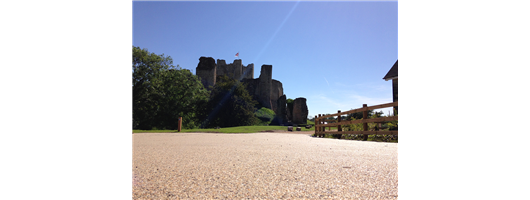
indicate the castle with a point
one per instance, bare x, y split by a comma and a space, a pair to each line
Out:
267, 91
208, 70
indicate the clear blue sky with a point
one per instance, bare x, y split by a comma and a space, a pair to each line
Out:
334, 54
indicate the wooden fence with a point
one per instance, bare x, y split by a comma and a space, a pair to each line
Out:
320, 127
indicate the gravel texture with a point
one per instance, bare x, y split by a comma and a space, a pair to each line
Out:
261, 166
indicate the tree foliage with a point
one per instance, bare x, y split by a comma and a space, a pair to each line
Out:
359, 115
163, 92
181, 95
290, 105
229, 105
265, 115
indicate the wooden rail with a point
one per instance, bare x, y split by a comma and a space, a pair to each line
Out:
320, 127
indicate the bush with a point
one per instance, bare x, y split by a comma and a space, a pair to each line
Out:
265, 115
393, 125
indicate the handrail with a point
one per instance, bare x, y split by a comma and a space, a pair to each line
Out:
380, 119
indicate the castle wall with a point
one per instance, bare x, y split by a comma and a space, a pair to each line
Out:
300, 111
276, 90
206, 70
234, 70
237, 67
265, 86
248, 71
224, 69
281, 113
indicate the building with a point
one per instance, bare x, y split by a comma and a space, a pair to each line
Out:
266, 91
393, 75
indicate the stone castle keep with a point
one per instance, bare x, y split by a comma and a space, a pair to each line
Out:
267, 91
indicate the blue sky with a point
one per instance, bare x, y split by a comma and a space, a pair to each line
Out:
334, 54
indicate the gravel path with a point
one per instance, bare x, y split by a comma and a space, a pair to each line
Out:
261, 166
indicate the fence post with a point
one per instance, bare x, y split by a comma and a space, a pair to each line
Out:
339, 127
323, 121
339, 120
365, 125
319, 122
180, 124
316, 125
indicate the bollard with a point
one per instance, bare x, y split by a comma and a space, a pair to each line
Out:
180, 124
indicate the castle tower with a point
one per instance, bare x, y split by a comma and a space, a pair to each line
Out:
265, 86
237, 68
248, 71
232, 70
221, 68
206, 70
300, 111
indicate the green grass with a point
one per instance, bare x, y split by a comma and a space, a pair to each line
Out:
237, 129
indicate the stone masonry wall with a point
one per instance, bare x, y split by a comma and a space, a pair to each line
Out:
206, 70
265, 86
300, 111
248, 71
235, 70
276, 92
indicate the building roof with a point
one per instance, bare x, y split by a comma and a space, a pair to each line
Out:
393, 73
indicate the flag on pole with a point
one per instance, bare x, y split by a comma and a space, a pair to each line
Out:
237, 54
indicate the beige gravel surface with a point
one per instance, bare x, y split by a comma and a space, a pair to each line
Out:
261, 166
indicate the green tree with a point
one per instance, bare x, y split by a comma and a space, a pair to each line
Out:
265, 115
146, 68
290, 104
163, 92
229, 105
181, 94
359, 115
